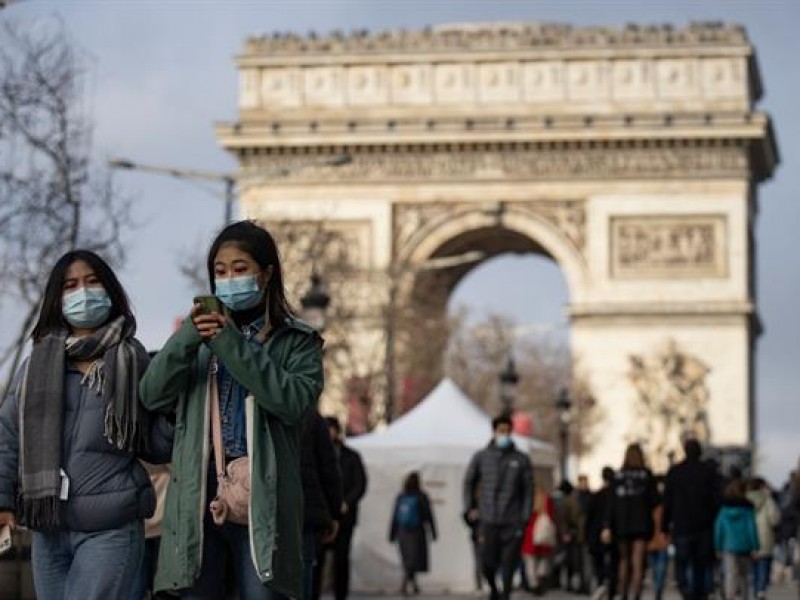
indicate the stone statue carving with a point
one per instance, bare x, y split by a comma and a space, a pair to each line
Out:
672, 401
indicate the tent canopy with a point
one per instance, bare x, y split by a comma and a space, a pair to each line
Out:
449, 421
437, 438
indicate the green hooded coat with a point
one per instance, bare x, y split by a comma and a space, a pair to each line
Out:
285, 379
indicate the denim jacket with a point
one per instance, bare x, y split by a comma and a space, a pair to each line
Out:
231, 400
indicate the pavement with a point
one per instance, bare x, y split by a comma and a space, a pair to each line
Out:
781, 591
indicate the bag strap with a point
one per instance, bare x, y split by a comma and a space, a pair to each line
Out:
216, 426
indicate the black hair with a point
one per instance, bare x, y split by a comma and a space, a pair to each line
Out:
607, 474
51, 317
412, 484
333, 423
249, 237
503, 419
565, 487
692, 449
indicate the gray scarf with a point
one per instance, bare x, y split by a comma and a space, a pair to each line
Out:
118, 362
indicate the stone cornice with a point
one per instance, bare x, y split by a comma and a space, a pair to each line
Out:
655, 309
504, 37
292, 131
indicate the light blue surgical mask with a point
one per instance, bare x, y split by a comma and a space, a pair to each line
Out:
239, 293
502, 441
86, 307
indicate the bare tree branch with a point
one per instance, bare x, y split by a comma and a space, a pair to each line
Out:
53, 201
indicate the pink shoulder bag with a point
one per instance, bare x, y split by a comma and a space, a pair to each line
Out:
232, 502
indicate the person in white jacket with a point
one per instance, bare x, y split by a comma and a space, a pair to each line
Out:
767, 517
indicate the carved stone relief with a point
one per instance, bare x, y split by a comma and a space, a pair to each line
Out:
672, 401
669, 246
413, 220
517, 163
569, 216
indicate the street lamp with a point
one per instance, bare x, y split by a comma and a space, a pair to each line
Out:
315, 303
229, 180
508, 379
563, 405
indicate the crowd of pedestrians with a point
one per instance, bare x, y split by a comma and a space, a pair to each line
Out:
713, 534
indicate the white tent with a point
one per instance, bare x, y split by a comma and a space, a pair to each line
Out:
437, 438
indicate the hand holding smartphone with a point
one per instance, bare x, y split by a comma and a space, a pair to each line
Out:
208, 304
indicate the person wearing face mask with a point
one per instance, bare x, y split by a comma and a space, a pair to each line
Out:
255, 370
498, 491
71, 430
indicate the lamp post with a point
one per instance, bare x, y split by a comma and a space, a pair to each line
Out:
229, 180
563, 405
508, 380
315, 303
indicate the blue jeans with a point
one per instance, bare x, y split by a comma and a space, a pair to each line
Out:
761, 570
220, 544
658, 563
87, 566
147, 570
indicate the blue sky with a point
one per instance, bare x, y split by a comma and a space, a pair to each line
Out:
163, 73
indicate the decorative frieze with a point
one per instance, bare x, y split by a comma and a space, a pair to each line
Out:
544, 163
668, 246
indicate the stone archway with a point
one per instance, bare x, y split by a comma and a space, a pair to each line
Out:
631, 156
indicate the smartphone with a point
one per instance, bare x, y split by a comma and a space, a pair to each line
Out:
208, 304
5, 539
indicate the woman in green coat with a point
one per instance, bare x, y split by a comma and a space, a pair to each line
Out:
268, 370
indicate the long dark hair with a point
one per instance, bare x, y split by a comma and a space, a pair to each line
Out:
634, 457
51, 317
249, 237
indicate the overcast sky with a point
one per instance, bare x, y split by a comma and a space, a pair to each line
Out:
163, 73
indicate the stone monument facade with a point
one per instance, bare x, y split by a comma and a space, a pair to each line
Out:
630, 156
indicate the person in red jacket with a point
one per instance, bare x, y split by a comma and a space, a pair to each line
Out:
539, 541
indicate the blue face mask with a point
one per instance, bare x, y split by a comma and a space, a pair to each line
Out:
86, 307
502, 441
239, 293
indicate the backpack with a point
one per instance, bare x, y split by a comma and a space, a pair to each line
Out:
407, 515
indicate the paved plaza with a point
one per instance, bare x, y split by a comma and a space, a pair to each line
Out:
776, 592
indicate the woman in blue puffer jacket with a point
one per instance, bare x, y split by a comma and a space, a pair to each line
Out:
71, 429
735, 539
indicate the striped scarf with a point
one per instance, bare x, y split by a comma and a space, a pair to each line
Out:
118, 361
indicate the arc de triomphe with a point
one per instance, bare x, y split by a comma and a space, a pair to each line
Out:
630, 156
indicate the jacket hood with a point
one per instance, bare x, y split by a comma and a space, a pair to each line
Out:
737, 506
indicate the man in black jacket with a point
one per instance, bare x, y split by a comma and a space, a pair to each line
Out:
691, 501
501, 479
605, 556
354, 483
322, 492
